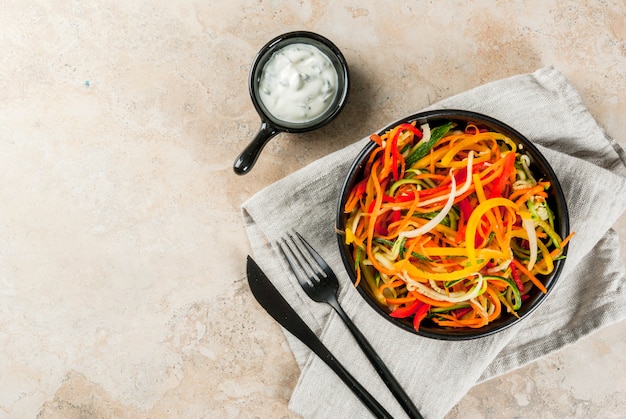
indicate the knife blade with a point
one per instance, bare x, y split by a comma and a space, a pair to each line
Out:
276, 306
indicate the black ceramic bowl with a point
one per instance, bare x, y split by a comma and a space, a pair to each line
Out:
539, 167
271, 125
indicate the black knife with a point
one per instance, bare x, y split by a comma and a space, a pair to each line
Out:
273, 302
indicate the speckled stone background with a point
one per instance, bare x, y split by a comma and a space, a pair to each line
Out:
122, 251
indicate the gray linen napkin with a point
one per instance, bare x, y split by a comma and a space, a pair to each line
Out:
589, 295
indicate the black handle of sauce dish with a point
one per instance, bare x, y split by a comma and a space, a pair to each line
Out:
245, 161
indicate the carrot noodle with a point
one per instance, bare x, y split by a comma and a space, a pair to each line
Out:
450, 218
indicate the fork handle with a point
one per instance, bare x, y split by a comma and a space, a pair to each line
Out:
380, 367
368, 400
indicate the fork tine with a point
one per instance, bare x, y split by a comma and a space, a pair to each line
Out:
304, 257
296, 267
313, 253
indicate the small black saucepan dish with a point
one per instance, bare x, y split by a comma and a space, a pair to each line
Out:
541, 170
302, 66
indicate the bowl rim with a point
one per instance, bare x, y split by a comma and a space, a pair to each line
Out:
557, 197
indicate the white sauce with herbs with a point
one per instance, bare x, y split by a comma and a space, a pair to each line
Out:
298, 83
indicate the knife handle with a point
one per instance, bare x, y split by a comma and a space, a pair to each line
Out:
276, 306
325, 355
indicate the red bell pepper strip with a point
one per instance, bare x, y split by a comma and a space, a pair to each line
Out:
472, 130
395, 153
396, 216
386, 198
383, 220
417, 308
382, 223
380, 228
407, 311
414, 130
460, 312
516, 278
410, 196
465, 210
503, 179
465, 206
360, 188
420, 315
356, 194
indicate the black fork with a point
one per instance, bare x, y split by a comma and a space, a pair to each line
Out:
321, 285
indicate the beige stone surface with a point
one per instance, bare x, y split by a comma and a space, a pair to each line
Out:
122, 250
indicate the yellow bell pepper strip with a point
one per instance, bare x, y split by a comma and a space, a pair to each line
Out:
548, 266
477, 214
420, 275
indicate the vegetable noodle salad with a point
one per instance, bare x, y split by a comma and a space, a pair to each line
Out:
450, 224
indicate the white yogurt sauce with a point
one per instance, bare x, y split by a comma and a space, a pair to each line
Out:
298, 83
